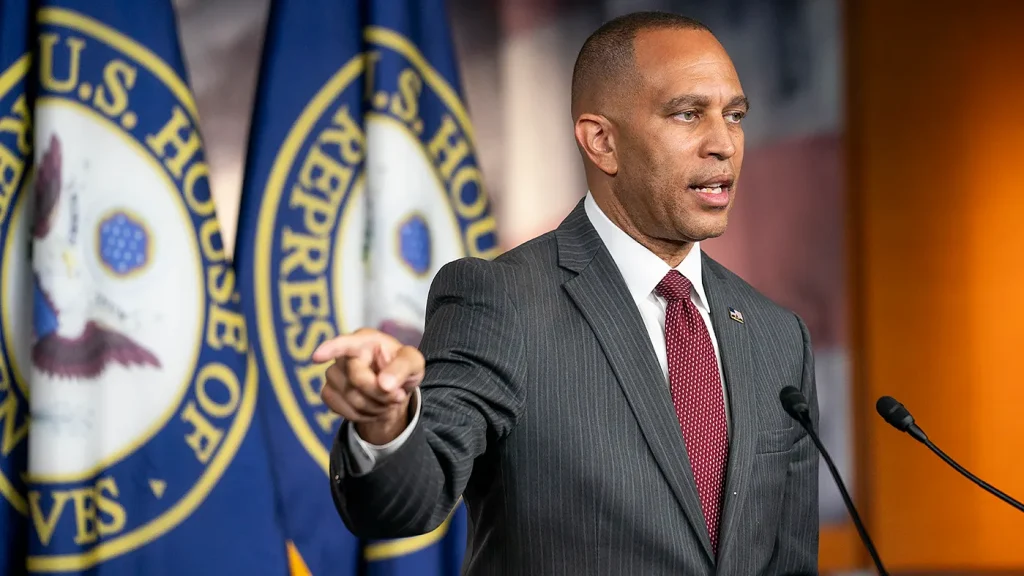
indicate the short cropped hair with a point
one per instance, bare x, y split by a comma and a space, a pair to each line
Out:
607, 57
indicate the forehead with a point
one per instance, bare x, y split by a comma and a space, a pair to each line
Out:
684, 60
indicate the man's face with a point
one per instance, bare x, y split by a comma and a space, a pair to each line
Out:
681, 145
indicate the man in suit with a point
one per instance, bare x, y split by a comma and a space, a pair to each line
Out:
604, 397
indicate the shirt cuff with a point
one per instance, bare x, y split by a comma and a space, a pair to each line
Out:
366, 456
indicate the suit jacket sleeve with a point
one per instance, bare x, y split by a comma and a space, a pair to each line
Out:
797, 546
471, 397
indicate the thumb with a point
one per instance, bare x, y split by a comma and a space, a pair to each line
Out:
406, 368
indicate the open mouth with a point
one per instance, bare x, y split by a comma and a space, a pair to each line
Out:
715, 185
713, 192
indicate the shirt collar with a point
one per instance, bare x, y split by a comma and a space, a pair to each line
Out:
640, 268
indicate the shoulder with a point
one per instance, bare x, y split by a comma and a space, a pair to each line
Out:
532, 260
505, 277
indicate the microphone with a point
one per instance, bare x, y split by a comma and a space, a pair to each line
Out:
896, 414
795, 404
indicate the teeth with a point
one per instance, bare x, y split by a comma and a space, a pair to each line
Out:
717, 189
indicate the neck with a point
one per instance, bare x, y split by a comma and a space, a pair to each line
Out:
670, 251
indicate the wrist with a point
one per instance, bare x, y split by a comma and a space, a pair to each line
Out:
389, 426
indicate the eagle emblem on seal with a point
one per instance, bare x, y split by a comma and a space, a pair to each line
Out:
68, 341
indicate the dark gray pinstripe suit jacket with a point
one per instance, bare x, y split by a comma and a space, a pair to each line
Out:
544, 407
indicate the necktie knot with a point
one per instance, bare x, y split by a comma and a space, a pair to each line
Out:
673, 287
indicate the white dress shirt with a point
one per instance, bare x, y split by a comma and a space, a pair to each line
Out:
642, 270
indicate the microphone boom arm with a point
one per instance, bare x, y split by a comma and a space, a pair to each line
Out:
846, 498
897, 415
795, 404
988, 487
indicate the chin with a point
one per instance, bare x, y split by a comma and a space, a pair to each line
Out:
707, 235
704, 230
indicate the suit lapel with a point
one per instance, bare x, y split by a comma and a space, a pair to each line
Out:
602, 297
734, 347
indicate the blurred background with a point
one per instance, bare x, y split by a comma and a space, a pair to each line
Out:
881, 199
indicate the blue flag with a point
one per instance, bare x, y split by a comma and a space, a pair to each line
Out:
146, 454
15, 296
361, 182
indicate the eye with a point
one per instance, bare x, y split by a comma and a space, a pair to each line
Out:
688, 116
734, 117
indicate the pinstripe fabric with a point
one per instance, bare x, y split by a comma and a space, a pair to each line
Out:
544, 406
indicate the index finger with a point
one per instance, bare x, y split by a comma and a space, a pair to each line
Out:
348, 345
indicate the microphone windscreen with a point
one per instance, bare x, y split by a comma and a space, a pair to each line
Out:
793, 401
894, 413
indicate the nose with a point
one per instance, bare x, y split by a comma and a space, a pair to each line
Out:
719, 141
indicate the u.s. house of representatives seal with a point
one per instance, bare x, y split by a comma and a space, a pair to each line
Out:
375, 187
133, 344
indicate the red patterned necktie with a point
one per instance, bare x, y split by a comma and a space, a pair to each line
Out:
697, 395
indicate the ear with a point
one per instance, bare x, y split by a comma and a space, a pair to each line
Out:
595, 138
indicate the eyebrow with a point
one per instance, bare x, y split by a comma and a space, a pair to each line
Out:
699, 101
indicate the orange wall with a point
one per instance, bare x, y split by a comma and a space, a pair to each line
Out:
936, 126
